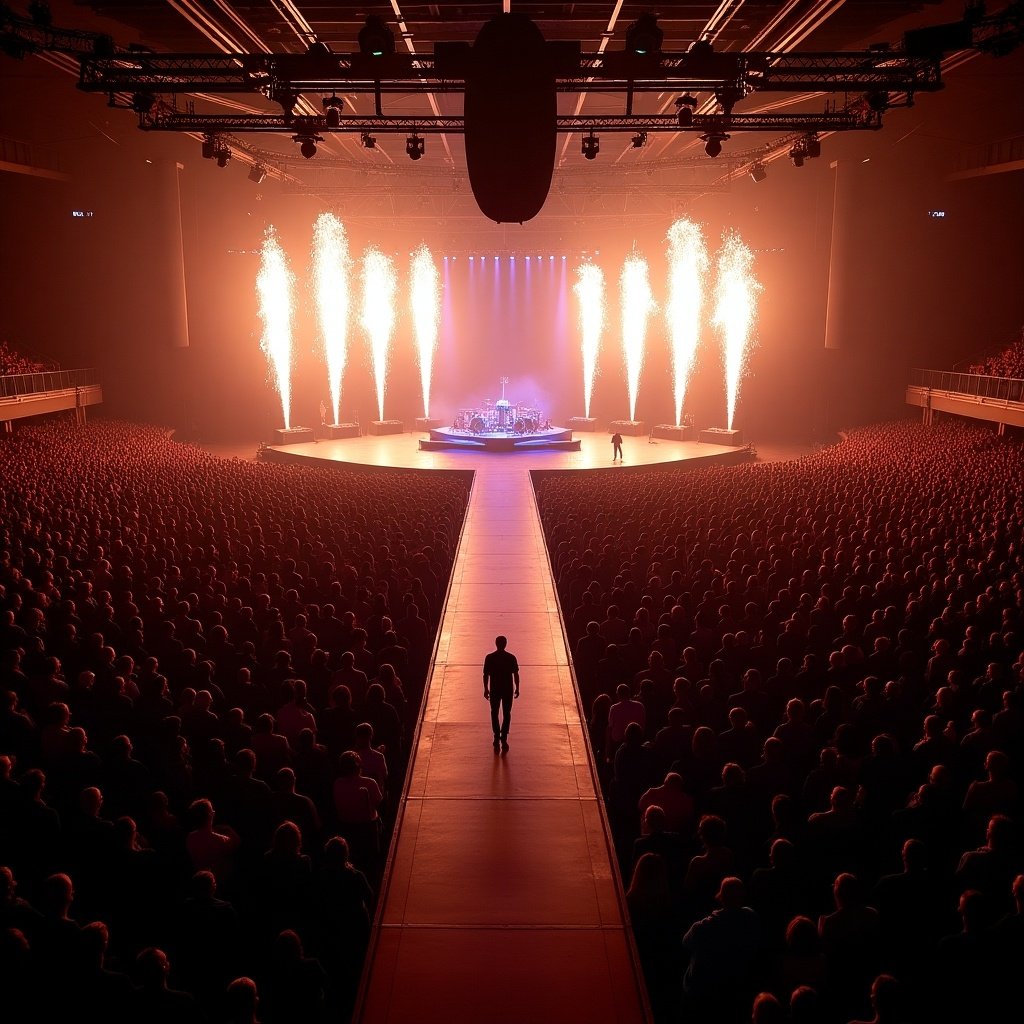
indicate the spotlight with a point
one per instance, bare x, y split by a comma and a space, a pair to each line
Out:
375, 38
415, 147
644, 36
307, 145
796, 154
142, 102
368, 141
713, 143
758, 172
639, 140
223, 156
209, 147
287, 99
257, 173
332, 111
812, 147
591, 146
686, 105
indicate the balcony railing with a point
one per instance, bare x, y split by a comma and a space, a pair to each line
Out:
18, 384
976, 385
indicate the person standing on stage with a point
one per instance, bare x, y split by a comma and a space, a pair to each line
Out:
501, 687
616, 446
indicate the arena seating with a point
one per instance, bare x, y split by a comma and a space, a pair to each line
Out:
805, 686
193, 652
13, 362
1007, 362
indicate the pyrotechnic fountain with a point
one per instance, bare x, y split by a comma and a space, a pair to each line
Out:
425, 301
589, 289
274, 286
378, 315
330, 283
735, 312
637, 306
688, 267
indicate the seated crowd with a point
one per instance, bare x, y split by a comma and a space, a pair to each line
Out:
1007, 362
805, 683
13, 362
209, 675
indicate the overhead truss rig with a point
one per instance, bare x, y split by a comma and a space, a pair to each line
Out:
879, 73
168, 119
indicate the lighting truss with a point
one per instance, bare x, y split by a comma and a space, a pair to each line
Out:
167, 119
272, 73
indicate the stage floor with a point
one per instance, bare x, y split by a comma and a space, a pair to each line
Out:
402, 451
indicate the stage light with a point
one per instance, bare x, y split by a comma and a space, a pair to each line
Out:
209, 147
368, 141
812, 147
591, 146
685, 105
142, 102
223, 156
332, 111
415, 147
287, 99
644, 36
713, 143
758, 172
639, 140
375, 38
796, 154
307, 145
257, 173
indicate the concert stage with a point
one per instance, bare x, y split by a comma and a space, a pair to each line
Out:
451, 439
402, 451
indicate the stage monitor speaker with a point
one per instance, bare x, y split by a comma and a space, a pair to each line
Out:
511, 119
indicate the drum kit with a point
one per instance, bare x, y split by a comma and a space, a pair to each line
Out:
498, 417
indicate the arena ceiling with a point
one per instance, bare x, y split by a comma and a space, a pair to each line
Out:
290, 26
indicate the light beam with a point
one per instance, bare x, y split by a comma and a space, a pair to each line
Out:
378, 315
688, 268
589, 289
274, 287
735, 312
637, 306
426, 316
331, 265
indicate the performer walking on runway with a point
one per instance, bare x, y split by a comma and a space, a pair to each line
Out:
501, 687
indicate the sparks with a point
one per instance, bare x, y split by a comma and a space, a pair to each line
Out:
378, 316
637, 306
688, 267
330, 282
735, 312
274, 286
589, 290
426, 314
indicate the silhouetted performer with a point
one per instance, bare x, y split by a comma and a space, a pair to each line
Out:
501, 686
616, 446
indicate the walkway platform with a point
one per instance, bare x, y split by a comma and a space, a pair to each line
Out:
501, 903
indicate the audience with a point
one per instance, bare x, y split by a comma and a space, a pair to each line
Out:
1007, 362
13, 362
176, 797
844, 708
